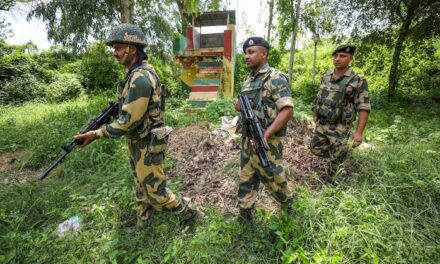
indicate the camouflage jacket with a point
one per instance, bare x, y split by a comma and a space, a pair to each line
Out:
339, 100
140, 105
269, 92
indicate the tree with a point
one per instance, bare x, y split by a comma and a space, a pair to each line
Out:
5, 5
194, 6
269, 23
75, 23
398, 20
289, 11
317, 18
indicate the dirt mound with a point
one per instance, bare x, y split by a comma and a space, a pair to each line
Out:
209, 165
10, 169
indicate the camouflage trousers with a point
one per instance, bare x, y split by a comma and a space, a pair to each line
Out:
150, 183
252, 173
330, 140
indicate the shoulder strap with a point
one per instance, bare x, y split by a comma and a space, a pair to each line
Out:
159, 85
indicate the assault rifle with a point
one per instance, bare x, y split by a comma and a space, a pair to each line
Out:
254, 130
103, 118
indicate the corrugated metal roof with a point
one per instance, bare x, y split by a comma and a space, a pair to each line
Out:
216, 18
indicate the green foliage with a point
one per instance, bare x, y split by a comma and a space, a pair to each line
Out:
27, 75
54, 58
65, 87
275, 56
99, 70
168, 75
241, 73
218, 108
387, 210
21, 88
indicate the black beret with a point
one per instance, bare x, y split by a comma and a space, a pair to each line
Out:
345, 48
255, 41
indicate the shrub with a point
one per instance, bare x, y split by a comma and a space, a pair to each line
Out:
218, 108
20, 88
99, 69
305, 89
65, 87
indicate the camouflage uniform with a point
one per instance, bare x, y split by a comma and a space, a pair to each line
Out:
335, 108
269, 92
139, 112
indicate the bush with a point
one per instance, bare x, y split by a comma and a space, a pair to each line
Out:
305, 89
99, 69
65, 87
54, 58
218, 108
20, 88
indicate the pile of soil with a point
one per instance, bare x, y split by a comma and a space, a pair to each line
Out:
10, 169
208, 165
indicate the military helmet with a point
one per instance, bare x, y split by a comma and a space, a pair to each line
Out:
127, 33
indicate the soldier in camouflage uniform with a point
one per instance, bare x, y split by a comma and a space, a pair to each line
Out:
140, 120
268, 91
343, 93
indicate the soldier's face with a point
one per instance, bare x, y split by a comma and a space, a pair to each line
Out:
123, 53
341, 60
255, 57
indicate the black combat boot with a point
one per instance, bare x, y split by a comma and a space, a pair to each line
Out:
247, 215
190, 217
287, 208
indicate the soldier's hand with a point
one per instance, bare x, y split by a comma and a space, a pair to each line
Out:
357, 139
237, 106
86, 138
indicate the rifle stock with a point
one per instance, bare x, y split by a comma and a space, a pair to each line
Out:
103, 117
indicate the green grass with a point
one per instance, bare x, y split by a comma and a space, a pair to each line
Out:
386, 211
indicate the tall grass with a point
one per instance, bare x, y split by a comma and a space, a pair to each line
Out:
385, 211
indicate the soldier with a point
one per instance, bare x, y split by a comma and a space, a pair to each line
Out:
268, 91
140, 120
342, 94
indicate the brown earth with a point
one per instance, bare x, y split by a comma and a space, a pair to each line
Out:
209, 165
10, 169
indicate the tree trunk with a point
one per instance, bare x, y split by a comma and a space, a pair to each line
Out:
315, 42
181, 8
393, 78
127, 10
293, 43
269, 24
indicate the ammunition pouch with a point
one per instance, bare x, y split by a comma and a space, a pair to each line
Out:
158, 139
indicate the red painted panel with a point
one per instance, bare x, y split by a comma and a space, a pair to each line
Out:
204, 88
190, 38
227, 44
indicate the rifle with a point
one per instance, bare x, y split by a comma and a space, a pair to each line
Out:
103, 118
254, 130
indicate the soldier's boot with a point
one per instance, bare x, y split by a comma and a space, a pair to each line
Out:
287, 209
246, 215
142, 221
145, 218
190, 217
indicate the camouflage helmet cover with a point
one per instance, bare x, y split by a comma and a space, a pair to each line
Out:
127, 33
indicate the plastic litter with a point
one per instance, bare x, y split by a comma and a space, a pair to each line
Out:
71, 225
